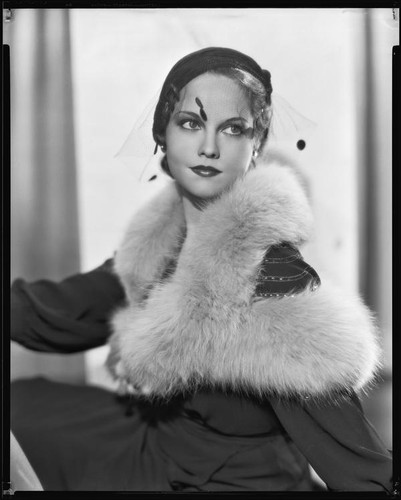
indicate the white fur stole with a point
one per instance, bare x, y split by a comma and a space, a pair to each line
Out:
202, 326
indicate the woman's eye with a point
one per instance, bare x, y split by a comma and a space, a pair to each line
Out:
233, 130
190, 125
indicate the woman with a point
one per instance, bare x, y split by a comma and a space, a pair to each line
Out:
238, 366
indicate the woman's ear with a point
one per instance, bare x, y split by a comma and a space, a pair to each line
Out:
161, 141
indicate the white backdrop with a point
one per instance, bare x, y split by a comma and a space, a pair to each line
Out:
120, 60
317, 58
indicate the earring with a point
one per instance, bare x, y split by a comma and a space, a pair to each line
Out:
254, 153
163, 148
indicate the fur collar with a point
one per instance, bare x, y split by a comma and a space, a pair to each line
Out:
202, 325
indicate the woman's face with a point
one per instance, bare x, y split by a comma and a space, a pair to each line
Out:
209, 137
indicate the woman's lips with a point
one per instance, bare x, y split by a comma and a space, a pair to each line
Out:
204, 171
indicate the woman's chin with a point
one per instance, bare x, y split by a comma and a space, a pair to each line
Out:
204, 193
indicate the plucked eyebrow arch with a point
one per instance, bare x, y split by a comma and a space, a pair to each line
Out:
233, 120
189, 113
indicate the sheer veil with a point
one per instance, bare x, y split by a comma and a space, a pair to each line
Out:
288, 127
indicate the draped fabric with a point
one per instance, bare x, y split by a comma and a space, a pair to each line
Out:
44, 218
376, 173
376, 31
44, 213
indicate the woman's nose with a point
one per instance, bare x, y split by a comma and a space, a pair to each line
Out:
209, 146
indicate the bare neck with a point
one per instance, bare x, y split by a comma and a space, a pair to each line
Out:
193, 208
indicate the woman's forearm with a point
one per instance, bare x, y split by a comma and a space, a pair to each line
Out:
67, 316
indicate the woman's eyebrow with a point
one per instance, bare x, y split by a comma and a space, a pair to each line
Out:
234, 119
190, 113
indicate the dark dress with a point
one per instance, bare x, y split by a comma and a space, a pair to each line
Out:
81, 437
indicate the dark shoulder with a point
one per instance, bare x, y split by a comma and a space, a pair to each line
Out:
284, 272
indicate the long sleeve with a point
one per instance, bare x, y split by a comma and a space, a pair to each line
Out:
339, 443
68, 316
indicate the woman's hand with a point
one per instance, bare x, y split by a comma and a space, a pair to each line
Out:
116, 369
113, 357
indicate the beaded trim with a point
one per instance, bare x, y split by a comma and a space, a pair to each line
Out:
266, 284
